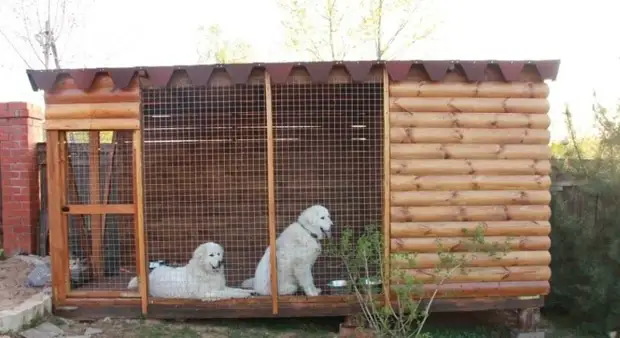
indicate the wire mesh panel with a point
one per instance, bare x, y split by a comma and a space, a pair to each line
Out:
205, 170
102, 248
328, 151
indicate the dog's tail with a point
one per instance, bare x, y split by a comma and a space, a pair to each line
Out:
133, 283
248, 283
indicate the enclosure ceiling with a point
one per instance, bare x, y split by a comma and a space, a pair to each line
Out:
318, 71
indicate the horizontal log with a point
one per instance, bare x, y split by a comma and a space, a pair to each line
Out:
470, 167
469, 120
93, 124
469, 135
470, 151
99, 209
466, 104
401, 182
485, 290
480, 197
486, 274
455, 229
471, 213
119, 110
479, 89
101, 91
496, 244
470, 259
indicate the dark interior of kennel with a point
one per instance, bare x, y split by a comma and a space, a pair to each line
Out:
205, 166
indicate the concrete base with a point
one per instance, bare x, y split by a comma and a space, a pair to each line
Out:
35, 307
517, 334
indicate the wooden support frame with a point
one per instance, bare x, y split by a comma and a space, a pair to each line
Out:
58, 240
96, 226
271, 193
138, 188
386, 187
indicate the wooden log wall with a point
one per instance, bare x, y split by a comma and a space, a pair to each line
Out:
467, 156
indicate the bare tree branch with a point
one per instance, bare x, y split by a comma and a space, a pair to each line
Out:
15, 48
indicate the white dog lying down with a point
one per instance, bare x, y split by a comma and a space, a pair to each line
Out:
297, 248
202, 278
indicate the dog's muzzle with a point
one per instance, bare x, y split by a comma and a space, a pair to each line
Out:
219, 265
327, 234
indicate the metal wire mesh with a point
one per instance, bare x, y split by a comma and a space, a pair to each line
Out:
102, 248
205, 175
328, 151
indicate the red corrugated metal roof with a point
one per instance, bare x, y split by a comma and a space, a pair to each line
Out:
318, 71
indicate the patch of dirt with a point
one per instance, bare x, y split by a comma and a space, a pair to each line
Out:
13, 289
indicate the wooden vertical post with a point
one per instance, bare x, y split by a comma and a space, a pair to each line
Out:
58, 239
271, 196
386, 187
96, 229
139, 220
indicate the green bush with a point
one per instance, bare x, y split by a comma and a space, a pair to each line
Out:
585, 236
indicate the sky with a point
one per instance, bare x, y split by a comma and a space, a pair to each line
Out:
149, 33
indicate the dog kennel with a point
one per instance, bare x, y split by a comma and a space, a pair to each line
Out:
144, 164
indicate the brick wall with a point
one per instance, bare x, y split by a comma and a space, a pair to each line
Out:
21, 127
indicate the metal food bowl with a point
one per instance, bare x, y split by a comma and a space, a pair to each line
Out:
374, 283
338, 287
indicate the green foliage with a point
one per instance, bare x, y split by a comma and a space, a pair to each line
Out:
213, 47
333, 29
363, 257
586, 228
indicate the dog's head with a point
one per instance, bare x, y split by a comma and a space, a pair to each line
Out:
209, 256
316, 219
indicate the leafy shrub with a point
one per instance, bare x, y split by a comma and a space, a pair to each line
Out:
586, 228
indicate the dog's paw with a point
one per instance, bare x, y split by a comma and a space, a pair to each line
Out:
313, 292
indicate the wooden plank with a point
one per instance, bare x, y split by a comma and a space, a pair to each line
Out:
93, 124
96, 229
99, 209
58, 243
271, 196
107, 186
119, 110
138, 190
386, 187
102, 294
65, 166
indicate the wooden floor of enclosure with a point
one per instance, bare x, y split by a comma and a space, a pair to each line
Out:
205, 175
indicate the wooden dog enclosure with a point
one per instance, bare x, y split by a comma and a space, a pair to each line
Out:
172, 157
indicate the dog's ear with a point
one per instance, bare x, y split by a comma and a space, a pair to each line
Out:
199, 253
306, 217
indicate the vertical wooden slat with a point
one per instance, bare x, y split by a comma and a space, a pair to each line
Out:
271, 196
386, 186
58, 242
139, 220
107, 181
96, 229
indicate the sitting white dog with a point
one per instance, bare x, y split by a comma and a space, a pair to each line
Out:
202, 278
297, 248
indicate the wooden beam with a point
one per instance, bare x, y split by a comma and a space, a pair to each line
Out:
58, 243
271, 197
139, 221
107, 181
93, 124
96, 228
99, 209
386, 187
102, 294
119, 110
